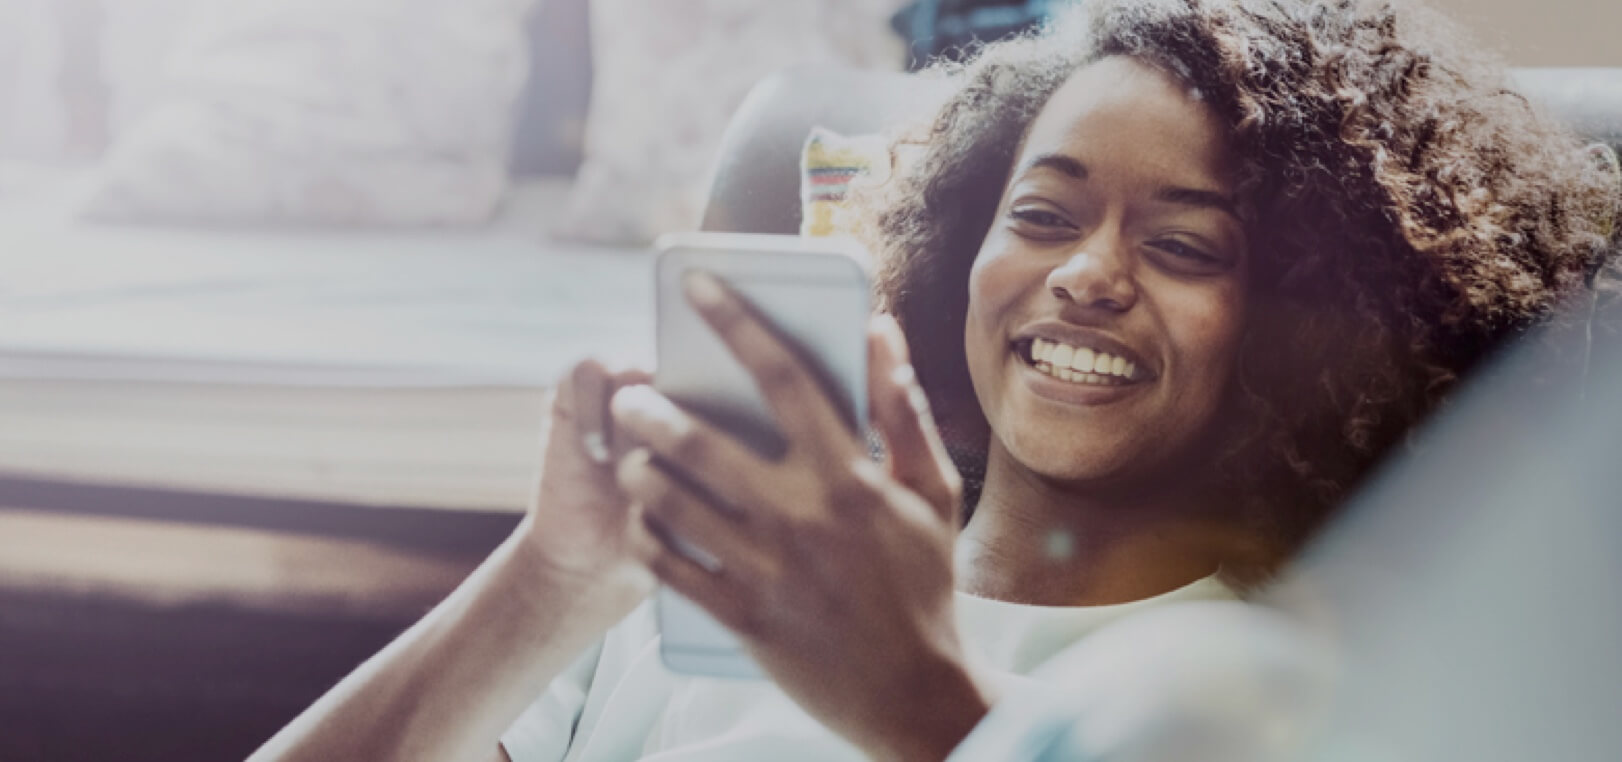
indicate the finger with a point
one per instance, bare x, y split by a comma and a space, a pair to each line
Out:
589, 387
714, 461
620, 442
799, 402
717, 590
693, 521
551, 413
900, 410
629, 377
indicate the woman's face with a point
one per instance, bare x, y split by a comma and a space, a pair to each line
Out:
1106, 303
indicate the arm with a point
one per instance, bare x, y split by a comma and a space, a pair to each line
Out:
449, 686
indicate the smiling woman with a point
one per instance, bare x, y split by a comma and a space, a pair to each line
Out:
1115, 242
1301, 222
1173, 274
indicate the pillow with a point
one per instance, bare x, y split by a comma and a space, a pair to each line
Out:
667, 77
378, 112
829, 164
137, 40
41, 77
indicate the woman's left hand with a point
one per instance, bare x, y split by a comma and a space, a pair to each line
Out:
835, 570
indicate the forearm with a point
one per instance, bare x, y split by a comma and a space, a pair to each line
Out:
944, 704
451, 684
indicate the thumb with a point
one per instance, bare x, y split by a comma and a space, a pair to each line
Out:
586, 391
900, 412
588, 395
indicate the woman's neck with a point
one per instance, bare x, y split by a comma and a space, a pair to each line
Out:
1037, 542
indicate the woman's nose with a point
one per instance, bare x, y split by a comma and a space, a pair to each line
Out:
1097, 274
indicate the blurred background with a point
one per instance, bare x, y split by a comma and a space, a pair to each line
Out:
281, 282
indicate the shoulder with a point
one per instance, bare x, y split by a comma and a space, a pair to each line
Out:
1208, 680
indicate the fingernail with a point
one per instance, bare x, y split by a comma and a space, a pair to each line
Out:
918, 399
904, 375
703, 290
596, 447
629, 401
896, 337
626, 470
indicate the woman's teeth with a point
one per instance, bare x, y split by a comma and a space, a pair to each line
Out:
1080, 364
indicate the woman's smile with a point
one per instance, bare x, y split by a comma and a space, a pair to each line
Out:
1081, 368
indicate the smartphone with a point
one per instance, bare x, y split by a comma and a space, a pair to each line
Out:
815, 295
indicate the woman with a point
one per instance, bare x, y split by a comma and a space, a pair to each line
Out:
1174, 275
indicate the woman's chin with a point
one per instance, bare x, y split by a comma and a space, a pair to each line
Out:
1064, 461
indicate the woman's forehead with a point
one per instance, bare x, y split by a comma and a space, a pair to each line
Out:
1123, 114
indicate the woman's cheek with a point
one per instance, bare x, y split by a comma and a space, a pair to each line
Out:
983, 291
995, 279
993, 291
1211, 321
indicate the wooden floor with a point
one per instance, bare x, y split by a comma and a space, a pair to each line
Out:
88, 679
184, 567
149, 639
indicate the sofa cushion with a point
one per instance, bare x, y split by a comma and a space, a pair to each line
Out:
668, 76
383, 112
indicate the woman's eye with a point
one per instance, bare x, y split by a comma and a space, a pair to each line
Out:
1041, 218
1187, 253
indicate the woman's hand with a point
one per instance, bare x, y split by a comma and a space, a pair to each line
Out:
582, 532
450, 685
836, 571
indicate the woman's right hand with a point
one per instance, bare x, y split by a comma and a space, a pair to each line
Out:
581, 531
450, 685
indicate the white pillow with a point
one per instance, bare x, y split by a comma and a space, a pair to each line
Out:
667, 77
138, 41
35, 124
371, 112
74, 72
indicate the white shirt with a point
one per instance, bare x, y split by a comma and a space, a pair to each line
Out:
618, 703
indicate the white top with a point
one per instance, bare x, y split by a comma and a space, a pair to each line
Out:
618, 703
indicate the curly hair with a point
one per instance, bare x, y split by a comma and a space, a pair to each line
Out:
1407, 211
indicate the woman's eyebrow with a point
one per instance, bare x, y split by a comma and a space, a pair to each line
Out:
1057, 162
1204, 199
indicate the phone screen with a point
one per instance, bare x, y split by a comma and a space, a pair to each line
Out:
726, 395
818, 303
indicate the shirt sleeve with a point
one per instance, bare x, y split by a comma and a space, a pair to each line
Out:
1025, 726
543, 732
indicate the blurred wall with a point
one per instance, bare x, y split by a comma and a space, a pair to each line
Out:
1545, 32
